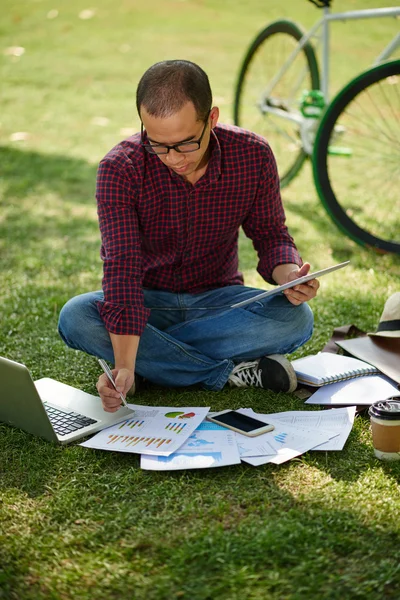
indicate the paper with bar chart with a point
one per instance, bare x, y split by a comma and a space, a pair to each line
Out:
336, 420
155, 430
210, 445
283, 443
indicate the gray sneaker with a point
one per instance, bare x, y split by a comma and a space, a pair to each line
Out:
272, 372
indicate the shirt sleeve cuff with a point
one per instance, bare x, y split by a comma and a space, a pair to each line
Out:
289, 256
123, 320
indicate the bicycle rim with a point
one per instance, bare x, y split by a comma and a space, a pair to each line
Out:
264, 59
356, 158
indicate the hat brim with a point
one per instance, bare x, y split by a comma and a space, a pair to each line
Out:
389, 334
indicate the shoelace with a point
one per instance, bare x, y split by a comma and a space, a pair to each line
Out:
246, 375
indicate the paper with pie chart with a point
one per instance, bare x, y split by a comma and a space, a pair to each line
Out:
154, 430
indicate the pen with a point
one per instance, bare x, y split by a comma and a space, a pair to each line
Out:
107, 371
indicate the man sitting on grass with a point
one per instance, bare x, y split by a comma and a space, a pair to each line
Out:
171, 201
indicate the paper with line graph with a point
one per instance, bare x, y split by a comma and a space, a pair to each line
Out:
155, 430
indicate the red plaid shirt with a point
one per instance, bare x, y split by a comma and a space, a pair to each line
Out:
161, 232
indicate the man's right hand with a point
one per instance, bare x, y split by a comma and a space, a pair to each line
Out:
110, 398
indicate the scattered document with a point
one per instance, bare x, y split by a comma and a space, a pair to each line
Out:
337, 420
151, 430
171, 438
210, 445
360, 391
281, 444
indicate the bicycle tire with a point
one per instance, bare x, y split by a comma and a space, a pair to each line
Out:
366, 117
291, 156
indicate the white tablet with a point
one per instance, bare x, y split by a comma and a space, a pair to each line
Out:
290, 284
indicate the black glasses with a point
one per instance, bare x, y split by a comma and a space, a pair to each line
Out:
182, 147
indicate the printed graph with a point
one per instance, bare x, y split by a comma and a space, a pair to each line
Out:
176, 427
209, 426
132, 423
180, 415
130, 441
196, 441
281, 437
180, 458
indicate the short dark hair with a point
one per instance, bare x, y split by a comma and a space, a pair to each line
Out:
168, 85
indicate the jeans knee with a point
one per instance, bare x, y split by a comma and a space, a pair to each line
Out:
307, 316
77, 318
66, 323
81, 327
304, 322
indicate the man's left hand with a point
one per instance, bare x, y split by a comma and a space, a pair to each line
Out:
299, 293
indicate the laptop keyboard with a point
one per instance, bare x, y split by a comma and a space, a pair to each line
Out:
65, 422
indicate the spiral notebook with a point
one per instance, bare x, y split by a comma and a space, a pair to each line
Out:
325, 367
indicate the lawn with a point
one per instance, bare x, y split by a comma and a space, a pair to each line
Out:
79, 523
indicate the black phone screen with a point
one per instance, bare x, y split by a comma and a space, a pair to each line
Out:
243, 422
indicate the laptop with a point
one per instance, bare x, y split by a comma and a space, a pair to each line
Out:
51, 409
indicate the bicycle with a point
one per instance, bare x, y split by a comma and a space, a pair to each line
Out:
285, 98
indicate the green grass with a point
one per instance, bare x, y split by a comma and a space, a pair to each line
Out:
78, 523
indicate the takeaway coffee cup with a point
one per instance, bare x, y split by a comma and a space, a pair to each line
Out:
385, 425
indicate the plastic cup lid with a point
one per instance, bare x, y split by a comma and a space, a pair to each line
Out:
386, 409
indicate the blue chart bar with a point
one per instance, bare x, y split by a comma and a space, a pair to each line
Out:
281, 437
134, 423
209, 426
175, 427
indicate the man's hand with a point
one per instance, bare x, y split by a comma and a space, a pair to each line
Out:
299, 293
110, 398
125, 350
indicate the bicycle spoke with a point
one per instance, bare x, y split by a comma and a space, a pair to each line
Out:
369, 122
373, 124
256, 100
362, 163
378, 105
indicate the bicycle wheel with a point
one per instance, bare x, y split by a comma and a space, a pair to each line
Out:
264, 59
356, 158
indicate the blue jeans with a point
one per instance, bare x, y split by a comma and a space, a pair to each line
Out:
194, 338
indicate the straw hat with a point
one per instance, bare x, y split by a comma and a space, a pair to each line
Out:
389, 325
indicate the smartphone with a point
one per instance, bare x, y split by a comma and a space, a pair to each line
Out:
240, 423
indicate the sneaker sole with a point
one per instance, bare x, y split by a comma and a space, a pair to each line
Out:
287, 365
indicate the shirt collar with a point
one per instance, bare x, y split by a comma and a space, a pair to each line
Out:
214, 163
